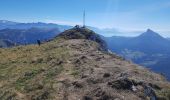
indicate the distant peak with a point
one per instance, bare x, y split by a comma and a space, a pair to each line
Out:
149, 30
150, 34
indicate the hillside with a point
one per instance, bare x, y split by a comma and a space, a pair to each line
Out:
74, 66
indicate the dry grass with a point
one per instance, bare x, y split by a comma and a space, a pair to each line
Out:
31, 68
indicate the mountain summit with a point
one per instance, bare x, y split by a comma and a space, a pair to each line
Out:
73, 66
152, 40
149, 30
150, 34
83, 33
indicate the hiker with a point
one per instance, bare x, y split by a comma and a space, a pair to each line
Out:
39, 42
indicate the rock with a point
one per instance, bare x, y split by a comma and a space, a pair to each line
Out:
106, 97
154, 86
78, 61
124, 75
134, 89
106, 75
124, 84
60, 62
96, 66
149, 92
77, 84
98, 58
98, 92
87, 98
83, 57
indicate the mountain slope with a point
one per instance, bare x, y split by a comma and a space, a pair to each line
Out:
72, 68
152, 40
148, 49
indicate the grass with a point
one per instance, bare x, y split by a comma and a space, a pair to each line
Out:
23, 80
29, 69
53, 72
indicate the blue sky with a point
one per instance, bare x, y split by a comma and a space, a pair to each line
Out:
123, 15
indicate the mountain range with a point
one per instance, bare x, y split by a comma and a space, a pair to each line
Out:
4, 24
27, 36
16, 25
27, 33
